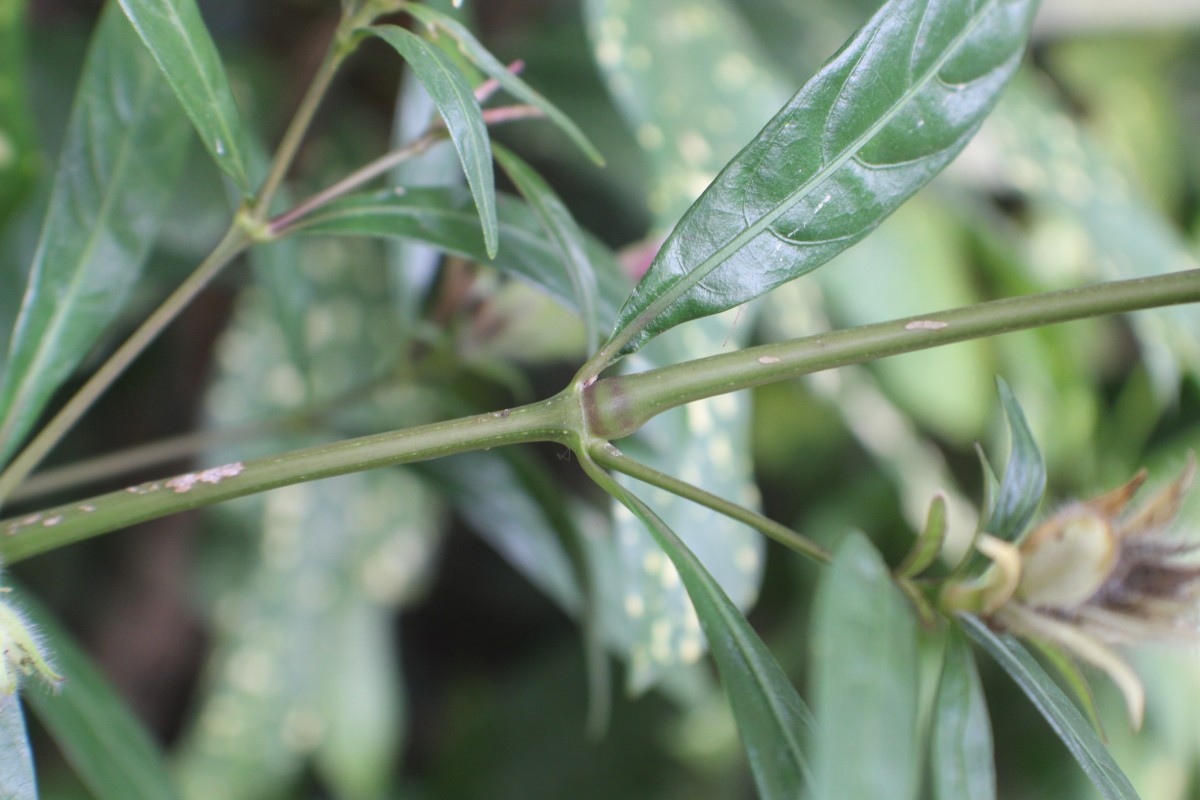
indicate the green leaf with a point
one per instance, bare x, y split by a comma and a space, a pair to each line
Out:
561, 229
175, 34
1024, 480
19, 149
888, 112
120, 159
772, 719
464, 119
17, 779
487, 62
928, 545
1068, 669
1064, 718
962, 764
864, 679
106, 745
692, 100
441, 217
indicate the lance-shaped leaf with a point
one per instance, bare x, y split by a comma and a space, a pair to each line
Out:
960, 747
442, 217
17, 781
19, 156
174, 32
772, 719
561, 229
1024, 481
464, 119
119, 163
474, 50
864, 680
1056, 707
889, 111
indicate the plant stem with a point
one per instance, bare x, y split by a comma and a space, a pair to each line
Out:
609, 457
341, 47
552, 420
235, 242
607, 409
618, 406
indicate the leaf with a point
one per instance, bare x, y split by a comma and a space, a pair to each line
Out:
440, 216
928, 545
962, 763
464, 119
106, 745
17, 779
561, 230
19, 150
174, 32
693, 84
1064, 718
772, 719
471, 47
1024, 480
864, 678
121, 156
888, 112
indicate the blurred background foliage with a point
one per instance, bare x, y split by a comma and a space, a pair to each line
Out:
409, 633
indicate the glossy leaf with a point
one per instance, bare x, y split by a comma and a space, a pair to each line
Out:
561, 230
772, 720
19, 156
1024, 480
464, 119
888, 112
17, 779
1064, 718
864, 678
962, 762
175, 34
441, 217
106, 745
513, 84
121, 156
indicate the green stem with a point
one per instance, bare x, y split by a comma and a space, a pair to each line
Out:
235, 242
552, 420
607, 409
620, 405
344, 40
607, 456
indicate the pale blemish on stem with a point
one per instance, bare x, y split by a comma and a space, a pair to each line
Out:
184, 483
926, 325
768, 359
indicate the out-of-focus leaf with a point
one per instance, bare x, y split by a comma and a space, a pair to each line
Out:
513, 84
864, 680
121, 156
772, 719
17, 780
962, 763
889, 111
441, 216
689, 80
1070, 673
1056, 707
92, 725
1024, 480
464, 120
19, 159
928, 545
560, 229
174, 32
329, 551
